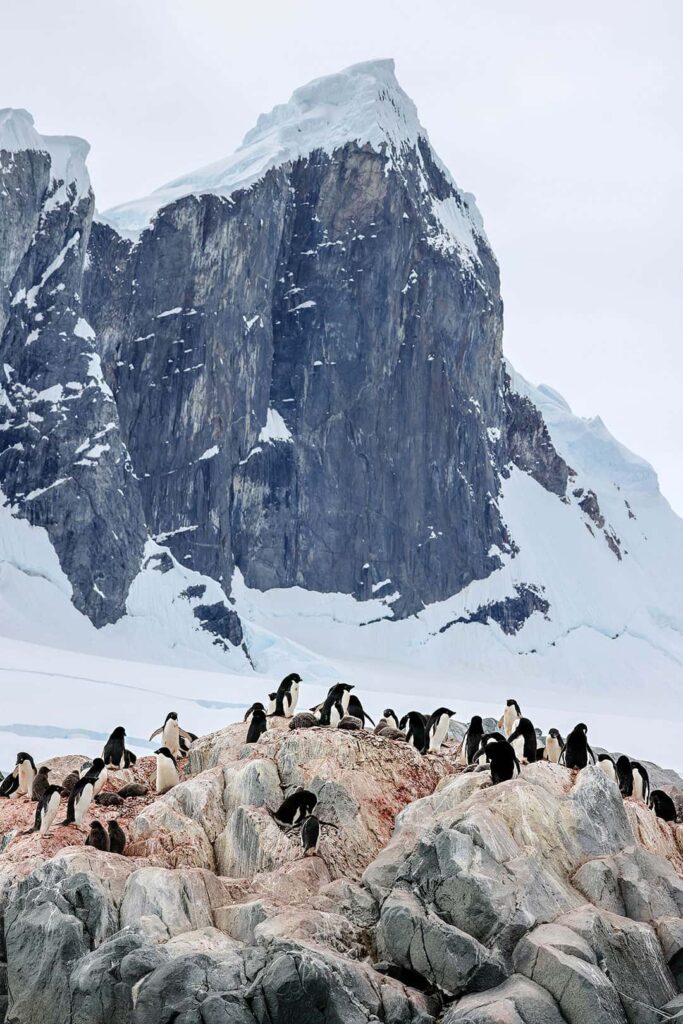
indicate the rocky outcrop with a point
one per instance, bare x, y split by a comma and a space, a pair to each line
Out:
435, 897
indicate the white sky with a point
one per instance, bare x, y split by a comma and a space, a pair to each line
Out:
563, 119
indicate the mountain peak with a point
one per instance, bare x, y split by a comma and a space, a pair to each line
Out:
363, 103
67, 153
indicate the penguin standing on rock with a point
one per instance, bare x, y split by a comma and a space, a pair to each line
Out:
98, 772
114, 753
170, 734
662, 804
272, 700
390, 717
576, 749
437, 727
471, 741
502, 759
80, 798
295, 807
523, 739
331, 711
606, 762
257, 725
98, 837
310, 836
287, 696
641, 781
167, 770
117, 837
553, 746
339, 693
256, 706
47, 809
416, 730
20, 781
510, 715
356, 710
40, 783
624, 775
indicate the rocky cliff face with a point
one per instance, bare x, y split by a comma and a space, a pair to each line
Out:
547, 898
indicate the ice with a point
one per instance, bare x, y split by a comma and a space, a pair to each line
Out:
275, 429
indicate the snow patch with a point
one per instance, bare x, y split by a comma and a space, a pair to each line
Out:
275, 429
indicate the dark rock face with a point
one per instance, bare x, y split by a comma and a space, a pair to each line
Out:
511, 613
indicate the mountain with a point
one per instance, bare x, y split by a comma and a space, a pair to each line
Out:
263, 414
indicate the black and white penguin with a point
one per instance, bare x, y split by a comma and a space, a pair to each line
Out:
80, 798
501, 757
437, 727
606, 762
356, 709
415, 729
510, 715
114, 753
577, 749
40, 783
25, 772
553, 746
390, 717
256, 706
624, 775
662, 804
331, 711
9, 784
287, 695
471, 741
167, 770
310, 835
304, 720
641, 781
295, 807
257, 725
47, 809
186, 741
170, 733
98, 837
98, 772
340, 692
523, 739
117, 837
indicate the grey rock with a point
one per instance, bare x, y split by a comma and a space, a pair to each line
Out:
516, 1001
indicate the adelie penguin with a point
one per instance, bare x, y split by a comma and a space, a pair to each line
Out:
47, 809
117, 837
553, 746
98, 772
523, 739
356, 710
641, 781
624, 775
167, 770
510, 715
663, 806
40, 783
310, 836
606, 763
170, 734
114, 753
20, 781
80, 798
472, 739
577, 748
437, 727
415, 729
98, 837
287, 696
331, 712
502, 759
257, 725
295, 807
256, 706
339, 693
390, 717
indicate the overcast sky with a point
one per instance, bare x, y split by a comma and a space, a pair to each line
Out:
563, 119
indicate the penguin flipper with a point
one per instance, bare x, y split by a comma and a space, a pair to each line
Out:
590, 751
157, 732
187, 735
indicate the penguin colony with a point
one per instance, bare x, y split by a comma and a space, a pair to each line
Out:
502, 752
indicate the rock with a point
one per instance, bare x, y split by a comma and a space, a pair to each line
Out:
181, 900
516, 1001
670, 935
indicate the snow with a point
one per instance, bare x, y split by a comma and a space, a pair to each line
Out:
67, 153
29, 297
303, 305
275, 429
210, 453
169, 312
84, 330
363, 104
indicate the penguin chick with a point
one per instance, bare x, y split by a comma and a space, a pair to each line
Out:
257, 725
310, 836
98, 837
133, 789
114, 753
350, 722
117, 837
167, 770
303, 720
69, 782
40, 783
108, 800
389, 733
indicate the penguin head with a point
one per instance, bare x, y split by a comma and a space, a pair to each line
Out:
512, 703
119, 731
582, 727
44, 770
390, 713
173, 715
165, 752
272, 696
555, 733
22, 756
293, 677
97, 766
97, 826
476, 722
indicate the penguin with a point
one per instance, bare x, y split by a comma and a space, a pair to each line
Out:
257, 725
10, 784
523, 739
472, 738
287, 696
272, 700
80, 798
437, 727
170, 734
256, 706
129, 758
186, 741
391, 718
331, 712
40, 783
47, 809
69, 782
624, 775
356, 709
416, 730
26, 772
117, 837
84, 769
553, 746
98, 771
133, 790
310, 835
350, 722
382, 724
606, 762
98, 837
114, 753
295, 807
576, 749
663, 806
339, 692
304, 720
167, 770
389, 733
510, 715
502, 759
641, 781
